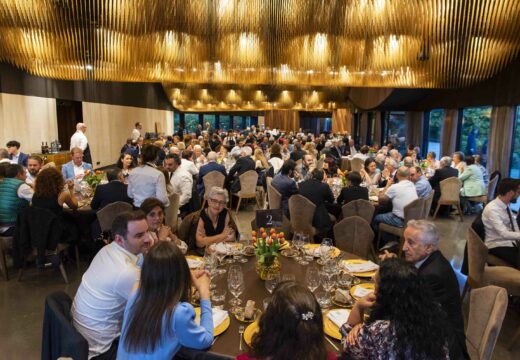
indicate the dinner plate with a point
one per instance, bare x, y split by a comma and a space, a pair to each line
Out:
195, 258
250, 330
343, 305
330, 328
219, 329
368, 286
290, 253
367, 274
336, 253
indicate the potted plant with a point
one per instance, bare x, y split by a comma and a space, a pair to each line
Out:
267, 249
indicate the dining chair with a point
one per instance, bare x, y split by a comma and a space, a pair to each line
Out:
248, 181
6, 242
356, 164
484, 199
360, 207
274, 197
171, 213
354, 235
487, 309
107, 214
212, 179
450, 195
428, 204
301, 211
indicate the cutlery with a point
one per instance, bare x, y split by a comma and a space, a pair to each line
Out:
214, 339
240, 333
331, 343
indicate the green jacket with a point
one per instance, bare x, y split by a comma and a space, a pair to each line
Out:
10, 203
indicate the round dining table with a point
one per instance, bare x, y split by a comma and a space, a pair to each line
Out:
228, 343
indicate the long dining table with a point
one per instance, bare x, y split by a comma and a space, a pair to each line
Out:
227, 344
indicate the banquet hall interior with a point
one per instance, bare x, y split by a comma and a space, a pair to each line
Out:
417, 81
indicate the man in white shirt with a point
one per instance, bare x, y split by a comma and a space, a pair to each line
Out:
97, 310
136, 132
181, 180
401, 194
188, 164
502, 233
352, 147
79, 140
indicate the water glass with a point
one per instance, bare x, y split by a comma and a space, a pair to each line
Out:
235, 284
218, 297
323, 298
271, 282
312, 278
307, 258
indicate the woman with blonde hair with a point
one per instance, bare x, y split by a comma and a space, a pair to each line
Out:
260, 160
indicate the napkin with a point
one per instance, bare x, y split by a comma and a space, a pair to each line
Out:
194, 264
359, 292
219, 316
373, 198
339, 316
360, 268
222, 248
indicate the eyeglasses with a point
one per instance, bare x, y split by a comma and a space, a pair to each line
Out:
217, 202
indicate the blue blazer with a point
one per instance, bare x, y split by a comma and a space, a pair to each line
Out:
68, 169
205, 169
22, 159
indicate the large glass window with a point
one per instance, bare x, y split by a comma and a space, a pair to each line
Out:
212, 119
237, 122
515, 154
225, 122
475, 131
176, 121
397, 130
190, 122
435, 131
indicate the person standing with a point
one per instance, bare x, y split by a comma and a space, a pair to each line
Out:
15, 155
136, 132
79, 140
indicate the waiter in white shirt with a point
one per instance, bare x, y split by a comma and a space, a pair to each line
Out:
136, 133
502, 233
79, 140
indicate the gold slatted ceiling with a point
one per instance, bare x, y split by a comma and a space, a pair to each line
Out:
336, 43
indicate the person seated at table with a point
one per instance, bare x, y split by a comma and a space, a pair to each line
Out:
76, 168
431, 161
472, 184
370, 174
485, 172
290, 328
15, 155
404, 322
212, 165
319, 192
181, 182
308, 164
114, 190
285, 183
15, 195
389, 172
408, 161
154, 211
445, 171
34, 165
459, 161
126, 164
422, 185
351, 149
354, 191
400, 194
380, 161
502, 233
275, 159
297, 152
337, 149
146, 180
362, 154
243, 164
215, 224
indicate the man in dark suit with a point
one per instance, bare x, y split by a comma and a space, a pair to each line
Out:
198, 131
353, 192
336, 149
445, 171
421, 249
285, 183
320, 194
243, 164
351, 148
13, 147
205, 169
297, 153
114, 190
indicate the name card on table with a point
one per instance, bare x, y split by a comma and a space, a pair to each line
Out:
269, 218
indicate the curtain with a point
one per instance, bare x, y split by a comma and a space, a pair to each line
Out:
500, 139
363, 128
377, 128
414, 125
288, 120
449, 132
342, 121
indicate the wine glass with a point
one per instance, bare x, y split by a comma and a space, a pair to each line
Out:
235, 284
210, 264
327, 283
271, 282
306, 257
325, 250
220, 257
298, 244
312, 277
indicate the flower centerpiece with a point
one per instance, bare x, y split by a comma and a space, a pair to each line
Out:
93, 178
267, 248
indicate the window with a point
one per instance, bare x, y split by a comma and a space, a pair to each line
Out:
212, 119
176, 121
514, 170
190, 122
225, 122
435, 131
397, 130
237, 122
248, 121
475, 131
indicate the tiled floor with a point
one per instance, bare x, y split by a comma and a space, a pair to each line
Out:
22, 303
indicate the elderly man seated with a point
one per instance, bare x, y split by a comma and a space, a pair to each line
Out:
422, 185
212, 165
243, 164
421, 240
443, 172
401, 194
389, 172
76, 168
15, 194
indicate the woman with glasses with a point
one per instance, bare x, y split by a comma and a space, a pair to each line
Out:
215, 224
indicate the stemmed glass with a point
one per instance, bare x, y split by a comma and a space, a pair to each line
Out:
236, 285
312, 277
298, 244
327, 283
220, 257
244, 242
210, 264
306, 257
325, 250
272, 280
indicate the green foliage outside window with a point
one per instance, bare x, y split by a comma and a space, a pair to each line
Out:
475, 131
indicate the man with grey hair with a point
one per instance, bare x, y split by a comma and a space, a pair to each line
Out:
420, 247
206, 169
401, 194
4, 156
443, 172
79, 140
389, 172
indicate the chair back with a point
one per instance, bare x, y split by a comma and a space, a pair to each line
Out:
171, 213
487, 310
356, 164
354, 235
414, 210
268, 180
301, 211
275, 198
60, 338
450, 189
492, 185
107, 215
361, 208
248, 182
319, 163
477, 257
212, 179
428, 204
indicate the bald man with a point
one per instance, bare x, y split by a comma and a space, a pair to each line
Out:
79, 140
